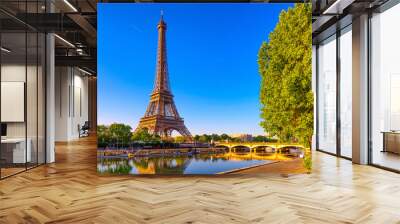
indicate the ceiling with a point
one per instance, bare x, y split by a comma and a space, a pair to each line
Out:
332, 15
73, 21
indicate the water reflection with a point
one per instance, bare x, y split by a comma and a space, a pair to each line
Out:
188, 164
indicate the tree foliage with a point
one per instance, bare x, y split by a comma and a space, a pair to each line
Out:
103, 135
262, 138
120, 133
285, 67
205, 138
179, 139
143, 135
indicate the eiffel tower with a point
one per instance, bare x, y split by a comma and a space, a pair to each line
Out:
161, 116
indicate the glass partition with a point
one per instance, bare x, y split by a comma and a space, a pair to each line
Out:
23, 91
32, 95
346, 92
327, 95
13, 108
385, 89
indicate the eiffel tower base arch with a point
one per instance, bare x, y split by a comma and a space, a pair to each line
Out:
164, 127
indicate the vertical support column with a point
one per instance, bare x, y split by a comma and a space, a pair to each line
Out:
50, 99
50, 92
314, 89
92, 83
338, 76
360, 90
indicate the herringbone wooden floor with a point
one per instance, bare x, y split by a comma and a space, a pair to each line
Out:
70, 191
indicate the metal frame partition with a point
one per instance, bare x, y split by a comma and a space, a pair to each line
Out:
369, 125
0, 94
382, 8
336, 29
338, 72
36, 34
337, 34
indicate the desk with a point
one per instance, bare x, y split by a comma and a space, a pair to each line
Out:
13, 150
391, 142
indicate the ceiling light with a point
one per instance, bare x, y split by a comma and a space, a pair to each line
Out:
331, 8
5, 50
79, 51
84, 71
64, 40
70, 5
337, 7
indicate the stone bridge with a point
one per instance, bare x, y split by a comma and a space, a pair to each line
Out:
253, 146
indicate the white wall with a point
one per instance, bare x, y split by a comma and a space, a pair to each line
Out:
80, 110
12, 73
33, 126
9, 73
71, 102
62, 82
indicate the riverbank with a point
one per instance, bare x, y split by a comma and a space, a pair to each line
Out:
294, 166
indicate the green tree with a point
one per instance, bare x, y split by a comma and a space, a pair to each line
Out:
144, 136
285, 67
196, 138
225, 137
235, 140
103, 135
205, 138
120, 133
179, 139
260, 138
215, 137
263, 138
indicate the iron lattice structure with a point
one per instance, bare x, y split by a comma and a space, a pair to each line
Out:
161, 115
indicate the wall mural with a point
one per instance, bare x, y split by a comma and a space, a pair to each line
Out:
225, 100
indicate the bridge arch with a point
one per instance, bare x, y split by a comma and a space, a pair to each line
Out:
227, 145
266, 147
263, 149
241, 148
290, 148
224, 147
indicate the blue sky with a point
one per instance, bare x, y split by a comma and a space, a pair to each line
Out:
212, 61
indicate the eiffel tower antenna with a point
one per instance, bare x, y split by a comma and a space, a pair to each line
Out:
161, 116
